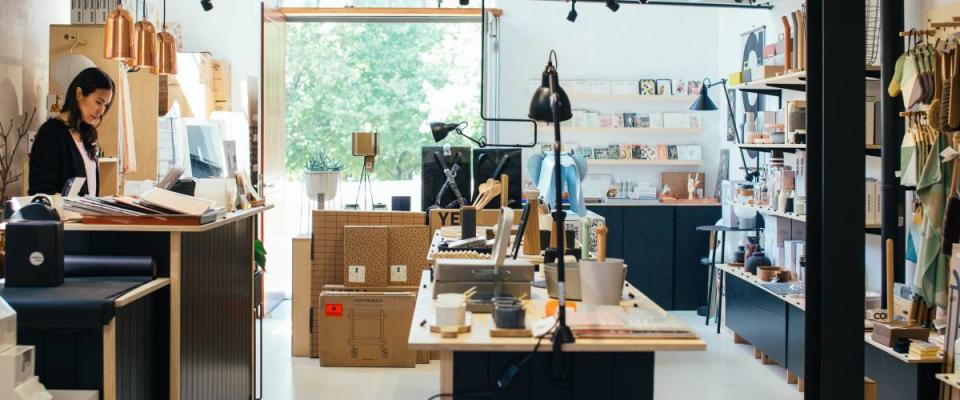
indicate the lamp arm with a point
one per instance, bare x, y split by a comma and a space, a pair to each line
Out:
736, 131
483, 79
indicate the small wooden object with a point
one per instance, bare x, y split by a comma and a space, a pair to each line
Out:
497, 332
788, 45
887, 334
766, 274
531, 231
889, 287
601, 243
450, 332
504, 190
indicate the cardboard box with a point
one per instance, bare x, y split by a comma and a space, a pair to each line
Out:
221, 80
765, 71
366, 329
300, 340
327, 249
408, 248
365, 255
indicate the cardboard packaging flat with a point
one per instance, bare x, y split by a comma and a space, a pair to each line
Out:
366, 329
300, 341
408, 248
327, 249
456, 276
365, 255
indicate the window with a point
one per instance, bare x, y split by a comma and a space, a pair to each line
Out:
392, 78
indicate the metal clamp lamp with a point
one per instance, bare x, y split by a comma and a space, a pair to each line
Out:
703, 103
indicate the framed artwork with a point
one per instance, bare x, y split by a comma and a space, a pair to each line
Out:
629, 120
680, 87
648, 87
585, 152
643, 122
664, 87
723, 172
601, 153
693, 87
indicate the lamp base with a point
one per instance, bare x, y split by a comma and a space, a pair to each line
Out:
562, 365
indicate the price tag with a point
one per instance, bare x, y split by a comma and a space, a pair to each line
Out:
398, 273
357, 274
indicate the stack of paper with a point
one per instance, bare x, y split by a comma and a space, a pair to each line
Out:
923, 350
594, 321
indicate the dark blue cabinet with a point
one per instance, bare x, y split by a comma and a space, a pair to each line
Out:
759, 317
662, 248
796, 325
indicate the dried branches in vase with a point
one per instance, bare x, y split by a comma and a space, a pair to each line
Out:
8, 154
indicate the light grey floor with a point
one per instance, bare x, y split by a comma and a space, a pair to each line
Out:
725, 371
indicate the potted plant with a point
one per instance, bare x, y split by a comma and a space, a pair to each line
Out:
321, 175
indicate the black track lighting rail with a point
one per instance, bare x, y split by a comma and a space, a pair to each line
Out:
764, 5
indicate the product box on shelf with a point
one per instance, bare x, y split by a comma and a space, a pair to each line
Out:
366, 329
16, 366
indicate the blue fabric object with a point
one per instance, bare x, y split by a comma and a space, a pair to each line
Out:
573, 169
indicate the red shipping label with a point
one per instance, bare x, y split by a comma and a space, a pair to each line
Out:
334, 310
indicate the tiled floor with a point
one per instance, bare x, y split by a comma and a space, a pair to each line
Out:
725, 371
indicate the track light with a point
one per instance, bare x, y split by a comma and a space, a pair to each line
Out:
572, 16
613, 5
206, 4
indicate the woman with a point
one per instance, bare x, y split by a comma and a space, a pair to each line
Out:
66, 146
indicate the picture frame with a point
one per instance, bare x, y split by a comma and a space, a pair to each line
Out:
665, 87
693, 87
629, 120
643, 122
680, 87
648, 87
732, 116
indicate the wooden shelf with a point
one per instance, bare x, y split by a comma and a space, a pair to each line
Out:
631, 98
646, 162
108, 160
791, 81
902, 357
950, 379
767, 211
740, 273
626, 130
769, 147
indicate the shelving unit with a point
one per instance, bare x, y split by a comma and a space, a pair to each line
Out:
791, 81
771, 147
631, 98
768, 211
646, 162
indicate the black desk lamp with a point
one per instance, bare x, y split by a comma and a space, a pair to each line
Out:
482, 142
703, 103
551, 104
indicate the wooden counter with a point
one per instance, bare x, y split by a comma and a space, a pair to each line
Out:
472, 362
211, 277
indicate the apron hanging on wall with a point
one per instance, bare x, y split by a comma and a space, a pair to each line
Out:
931, 276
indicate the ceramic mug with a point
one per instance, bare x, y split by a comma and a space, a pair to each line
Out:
601, 282
509, 315
451, 314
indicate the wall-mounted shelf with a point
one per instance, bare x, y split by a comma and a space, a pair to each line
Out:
108, 160
791, 81
646, 162
627, 130
770, 147
631, 98
767, 211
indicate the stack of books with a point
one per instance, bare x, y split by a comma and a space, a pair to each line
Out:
923, 350
156, 206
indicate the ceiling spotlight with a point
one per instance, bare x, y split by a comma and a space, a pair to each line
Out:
572, 16
206, 4
613, 5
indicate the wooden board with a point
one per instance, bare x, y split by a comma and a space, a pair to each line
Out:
499, 333
300, 341
479, 339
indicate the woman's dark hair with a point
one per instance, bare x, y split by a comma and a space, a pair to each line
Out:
88, 81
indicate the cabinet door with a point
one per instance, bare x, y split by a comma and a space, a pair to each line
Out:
648, 251
738, 313
689, 276
614, 221
796, 324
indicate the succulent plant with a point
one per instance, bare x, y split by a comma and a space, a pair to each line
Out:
321, 162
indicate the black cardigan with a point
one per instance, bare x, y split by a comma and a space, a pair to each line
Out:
54, 158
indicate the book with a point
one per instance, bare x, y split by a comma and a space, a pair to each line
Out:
656, 120
629, 120
691, 152
175, 202
676, 120
643, 122
662, 153
606, 121
673, 153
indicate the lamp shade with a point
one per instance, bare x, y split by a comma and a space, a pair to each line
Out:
166, 54
703, 102
540, 109
66, 68
146, 45
440, 130
119, 40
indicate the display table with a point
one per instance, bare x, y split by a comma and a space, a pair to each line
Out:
211, 282
601, 368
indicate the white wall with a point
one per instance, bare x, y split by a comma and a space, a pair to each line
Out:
24, 60
231, 31
635, 43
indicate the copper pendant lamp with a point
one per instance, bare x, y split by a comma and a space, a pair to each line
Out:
146, 35
166, 48
119, 40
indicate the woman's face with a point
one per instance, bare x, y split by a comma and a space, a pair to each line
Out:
94, 105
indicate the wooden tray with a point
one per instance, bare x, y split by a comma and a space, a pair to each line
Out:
451, 332
497, 332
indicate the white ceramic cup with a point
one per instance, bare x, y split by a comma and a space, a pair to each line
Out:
601, 282
450, 298
451, 314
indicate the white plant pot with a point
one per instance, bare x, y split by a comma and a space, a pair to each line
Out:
325, 182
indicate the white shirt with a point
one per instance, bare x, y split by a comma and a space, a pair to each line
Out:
91, 168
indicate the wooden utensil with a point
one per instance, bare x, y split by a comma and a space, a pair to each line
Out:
788, 45
531, 231
802, 40
889, 287
504, 190
601, 243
